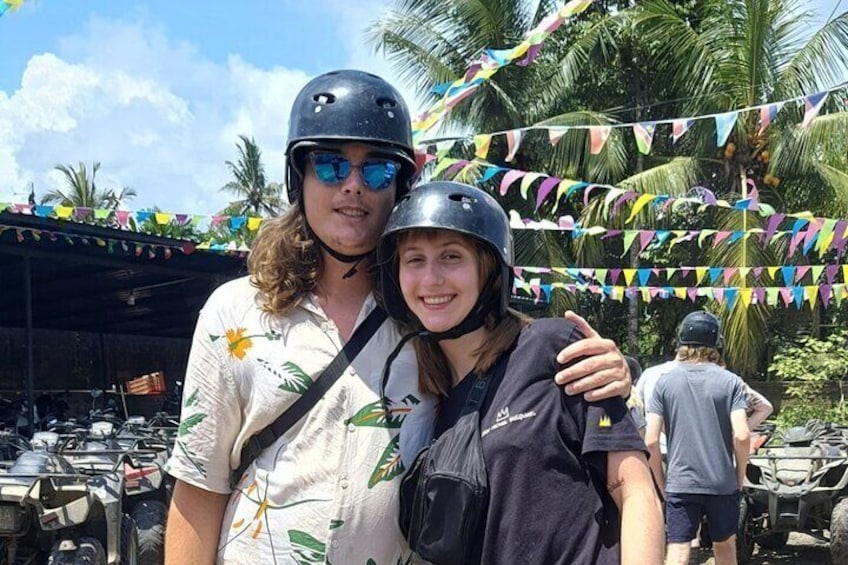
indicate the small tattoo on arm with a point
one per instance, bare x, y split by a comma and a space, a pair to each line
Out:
612, 487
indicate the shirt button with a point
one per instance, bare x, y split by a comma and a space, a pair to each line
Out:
343, 483
351, 427
351, 371
335, 544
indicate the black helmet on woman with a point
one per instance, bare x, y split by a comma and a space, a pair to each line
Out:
459, 208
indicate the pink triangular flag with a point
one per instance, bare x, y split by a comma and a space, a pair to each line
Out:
679, 127
513, 141
598, 138
509, 178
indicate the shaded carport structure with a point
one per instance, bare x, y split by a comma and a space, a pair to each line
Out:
62, 275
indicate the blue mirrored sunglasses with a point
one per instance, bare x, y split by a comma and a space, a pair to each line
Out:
334, 168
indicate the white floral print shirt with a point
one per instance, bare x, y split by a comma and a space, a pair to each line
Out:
327, 491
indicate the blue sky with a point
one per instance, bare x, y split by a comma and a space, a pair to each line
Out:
159, 90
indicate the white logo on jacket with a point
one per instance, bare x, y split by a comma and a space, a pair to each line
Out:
503, 418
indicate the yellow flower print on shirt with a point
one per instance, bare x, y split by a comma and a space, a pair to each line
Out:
238, 342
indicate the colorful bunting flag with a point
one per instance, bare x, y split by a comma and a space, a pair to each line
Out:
598, 138
644, 134
767, 115
812, 105
724, 126
679, 127
513, 140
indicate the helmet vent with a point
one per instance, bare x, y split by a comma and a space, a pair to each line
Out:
324, 98
463, 198
386, 103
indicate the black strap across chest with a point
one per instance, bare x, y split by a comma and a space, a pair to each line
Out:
266, 437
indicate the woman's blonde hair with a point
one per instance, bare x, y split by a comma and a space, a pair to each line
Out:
434, 374
283, 262
699, 354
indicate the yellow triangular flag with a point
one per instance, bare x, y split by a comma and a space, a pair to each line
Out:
680, 292
162, 218
700, 272
628, 276
253, 223
63, 212
640, 203
745, 295
481, 143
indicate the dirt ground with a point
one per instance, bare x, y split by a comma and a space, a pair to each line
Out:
800, 550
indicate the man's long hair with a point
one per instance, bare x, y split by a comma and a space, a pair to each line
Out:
699, 354
283, 262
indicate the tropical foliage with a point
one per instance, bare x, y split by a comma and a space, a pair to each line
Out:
81, 190
809, 366
255, 195
638, 62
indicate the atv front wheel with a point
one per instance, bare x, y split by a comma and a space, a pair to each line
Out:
773, 540
150, 517
839, 532
89, 551
129, 541
744, 534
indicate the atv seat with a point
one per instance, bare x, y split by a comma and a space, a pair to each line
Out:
794, 471
38, 463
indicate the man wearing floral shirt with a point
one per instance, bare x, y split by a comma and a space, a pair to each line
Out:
327, 491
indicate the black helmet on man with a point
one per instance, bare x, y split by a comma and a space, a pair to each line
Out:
455, 207
700, 329
349, 106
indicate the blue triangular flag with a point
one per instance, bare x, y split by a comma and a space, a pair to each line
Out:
724, 126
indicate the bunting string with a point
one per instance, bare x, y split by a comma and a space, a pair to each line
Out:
638, 277
138, 248
125, 219
490, 62
819, 236
643, 132
786, 296
615, 197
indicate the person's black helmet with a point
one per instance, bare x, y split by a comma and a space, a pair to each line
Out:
448, 206
348, 106
700, 329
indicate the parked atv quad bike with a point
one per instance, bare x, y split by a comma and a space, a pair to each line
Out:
51, 512
800, 485
140, 457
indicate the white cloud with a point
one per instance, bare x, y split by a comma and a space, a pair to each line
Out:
160, 117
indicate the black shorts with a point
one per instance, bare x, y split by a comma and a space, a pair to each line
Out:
684, 512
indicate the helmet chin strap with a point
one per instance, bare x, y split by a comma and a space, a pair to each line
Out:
355, 259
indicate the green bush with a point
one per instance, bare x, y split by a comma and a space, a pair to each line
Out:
808, 365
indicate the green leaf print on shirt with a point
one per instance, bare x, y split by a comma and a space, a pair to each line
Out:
188, 423
192, 400
336, 524
307, 549
390, 465
373, 415
294, 378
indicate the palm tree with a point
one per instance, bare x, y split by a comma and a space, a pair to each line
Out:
729, 54
82, 190
256, 196
708, 56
